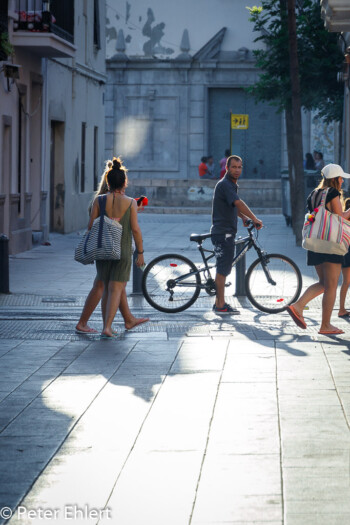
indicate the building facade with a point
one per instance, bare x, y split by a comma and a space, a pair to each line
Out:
52, 116
174, 78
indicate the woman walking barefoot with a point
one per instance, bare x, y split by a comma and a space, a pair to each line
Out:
92, 300
327, 266
96, 292
115, 274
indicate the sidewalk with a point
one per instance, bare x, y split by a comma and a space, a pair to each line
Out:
188, 419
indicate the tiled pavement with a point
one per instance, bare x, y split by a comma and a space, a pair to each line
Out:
189, 419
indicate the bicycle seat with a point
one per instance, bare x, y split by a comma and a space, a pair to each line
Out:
199, 237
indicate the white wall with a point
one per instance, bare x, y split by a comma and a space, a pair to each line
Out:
29, 72
75, 95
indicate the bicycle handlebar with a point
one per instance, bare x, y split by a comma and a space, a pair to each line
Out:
250, 225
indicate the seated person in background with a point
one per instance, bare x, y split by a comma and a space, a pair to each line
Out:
309, 163
210, 166
203, 169
319, 162
222, 163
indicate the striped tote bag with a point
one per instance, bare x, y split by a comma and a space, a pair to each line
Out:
103, 241
326, 232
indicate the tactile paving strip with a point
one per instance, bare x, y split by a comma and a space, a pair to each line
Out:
35, 317
64, 330
49, 301
39, 300
59, 325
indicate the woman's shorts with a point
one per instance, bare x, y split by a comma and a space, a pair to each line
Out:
346, 261
314, 259
224, 249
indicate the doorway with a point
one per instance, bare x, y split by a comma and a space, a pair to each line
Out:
5, 182
259, 145
35, 153
57, 177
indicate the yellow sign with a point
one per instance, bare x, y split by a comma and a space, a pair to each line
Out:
239, 121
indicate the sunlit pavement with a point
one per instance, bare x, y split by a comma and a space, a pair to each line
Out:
188, 419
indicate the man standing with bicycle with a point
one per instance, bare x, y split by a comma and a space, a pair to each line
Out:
227, 206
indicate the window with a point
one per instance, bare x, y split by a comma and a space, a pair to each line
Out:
97, 40
3, 16
95, 157
3, 24
82, 165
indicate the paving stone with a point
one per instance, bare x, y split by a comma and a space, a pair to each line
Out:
250, 426
254, 491
330, 505
181, 415
156, 477
317, 518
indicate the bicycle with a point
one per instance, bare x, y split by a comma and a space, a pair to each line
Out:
172, 283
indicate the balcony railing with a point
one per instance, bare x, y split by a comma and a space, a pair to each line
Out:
43, 16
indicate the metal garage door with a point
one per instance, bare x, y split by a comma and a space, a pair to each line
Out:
259, 145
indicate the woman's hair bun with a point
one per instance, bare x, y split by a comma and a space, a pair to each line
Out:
117, 163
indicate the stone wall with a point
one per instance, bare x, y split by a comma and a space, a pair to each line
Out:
164, 113
162, 117
174, 193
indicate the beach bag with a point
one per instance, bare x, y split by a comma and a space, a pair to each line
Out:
326, 232
103, 241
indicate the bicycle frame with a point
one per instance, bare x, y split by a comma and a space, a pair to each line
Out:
248, 243
271, 279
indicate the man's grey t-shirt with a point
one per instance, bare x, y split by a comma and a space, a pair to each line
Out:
224, 212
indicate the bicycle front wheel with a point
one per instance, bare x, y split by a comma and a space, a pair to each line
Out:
273, 282
171, 283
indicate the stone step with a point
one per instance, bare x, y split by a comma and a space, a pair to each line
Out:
204, 210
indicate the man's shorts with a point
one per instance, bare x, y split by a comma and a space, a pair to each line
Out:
224, 249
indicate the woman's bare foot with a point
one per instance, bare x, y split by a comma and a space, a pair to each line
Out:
299, 310
329, 329
343, 313
107, 333
129, 325
84, 329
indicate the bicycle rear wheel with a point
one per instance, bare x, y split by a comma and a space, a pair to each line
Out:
171, 283
273, 282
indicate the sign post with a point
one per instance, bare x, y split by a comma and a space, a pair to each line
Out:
237, 122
